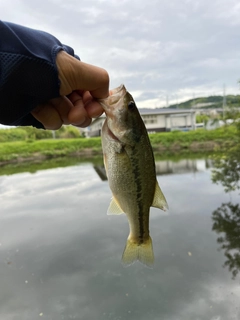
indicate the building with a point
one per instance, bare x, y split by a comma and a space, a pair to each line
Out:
166, 167
165, 119
156, 120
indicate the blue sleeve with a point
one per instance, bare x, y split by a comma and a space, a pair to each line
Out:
28, 72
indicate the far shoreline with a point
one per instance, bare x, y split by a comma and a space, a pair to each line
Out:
33, 148
86, 153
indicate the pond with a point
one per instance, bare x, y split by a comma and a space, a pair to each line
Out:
60, 254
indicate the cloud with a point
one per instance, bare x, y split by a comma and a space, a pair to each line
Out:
60, 253
158, 46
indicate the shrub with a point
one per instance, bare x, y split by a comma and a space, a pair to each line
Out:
68, 132
14, 134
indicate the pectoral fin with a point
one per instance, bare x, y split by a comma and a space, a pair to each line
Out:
105, 163
114, 208
159, 200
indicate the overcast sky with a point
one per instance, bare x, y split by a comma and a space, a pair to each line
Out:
176, 48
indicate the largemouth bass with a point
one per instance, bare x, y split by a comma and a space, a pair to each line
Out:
130, 168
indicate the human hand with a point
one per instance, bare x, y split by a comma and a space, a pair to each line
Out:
80, 85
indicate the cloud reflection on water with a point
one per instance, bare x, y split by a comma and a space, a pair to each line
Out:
61, 253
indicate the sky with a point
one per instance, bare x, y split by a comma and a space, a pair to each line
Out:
163, 51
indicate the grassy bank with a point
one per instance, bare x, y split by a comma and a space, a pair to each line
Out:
48, 148
195, 140
198, 140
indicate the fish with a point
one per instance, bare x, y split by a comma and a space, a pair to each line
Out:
130, 169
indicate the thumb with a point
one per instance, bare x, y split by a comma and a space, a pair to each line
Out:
77, 75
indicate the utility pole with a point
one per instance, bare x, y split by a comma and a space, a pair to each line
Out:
224, 99
167, 100
193, 100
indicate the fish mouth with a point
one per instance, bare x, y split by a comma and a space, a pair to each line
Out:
111, 102
112, 106
117, 90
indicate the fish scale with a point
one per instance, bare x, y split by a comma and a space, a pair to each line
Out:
130, 167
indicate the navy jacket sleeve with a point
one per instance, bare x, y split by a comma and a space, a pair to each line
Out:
28, 72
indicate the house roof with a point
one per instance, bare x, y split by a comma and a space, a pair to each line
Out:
156, 111
164, 111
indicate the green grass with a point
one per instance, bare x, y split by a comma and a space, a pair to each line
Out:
64, 147
185, 139
49, 148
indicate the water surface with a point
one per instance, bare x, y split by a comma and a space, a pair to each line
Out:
60, 254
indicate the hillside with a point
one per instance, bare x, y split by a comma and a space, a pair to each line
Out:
210, 102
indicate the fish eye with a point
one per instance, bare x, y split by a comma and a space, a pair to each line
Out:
131, 105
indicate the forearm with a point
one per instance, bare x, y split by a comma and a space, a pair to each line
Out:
28, 72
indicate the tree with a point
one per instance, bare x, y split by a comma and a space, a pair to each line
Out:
226, 220
202, 118
227, 169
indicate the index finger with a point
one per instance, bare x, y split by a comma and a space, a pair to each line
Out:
77, 75
92, 106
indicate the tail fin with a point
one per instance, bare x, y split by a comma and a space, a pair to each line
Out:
138, 252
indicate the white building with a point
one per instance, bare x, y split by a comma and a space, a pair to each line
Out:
156, 120
166, 167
